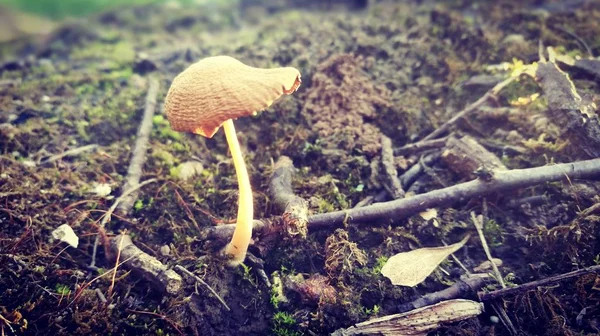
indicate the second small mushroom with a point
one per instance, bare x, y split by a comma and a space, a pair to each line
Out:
210, 94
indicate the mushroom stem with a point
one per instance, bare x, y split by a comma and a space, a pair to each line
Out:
243, 230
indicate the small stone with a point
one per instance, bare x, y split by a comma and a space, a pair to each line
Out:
189, 169
65, 234
102, 189
165, 250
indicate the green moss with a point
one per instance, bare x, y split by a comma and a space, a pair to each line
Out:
121, 52
284, 324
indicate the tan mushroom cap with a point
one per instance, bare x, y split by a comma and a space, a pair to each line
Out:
216, 89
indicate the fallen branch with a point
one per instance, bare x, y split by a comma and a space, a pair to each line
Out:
460, 289
534, 284
293, 207
418, 322
138, 158
502, 180
146, 265
402, 208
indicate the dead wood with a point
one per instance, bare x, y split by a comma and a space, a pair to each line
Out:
465, 156
566, 107
149, 267
502, 180
138, 157
293, 207
483, 296
398, 209
462, 288
392, 183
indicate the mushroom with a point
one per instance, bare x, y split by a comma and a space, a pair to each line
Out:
210, 94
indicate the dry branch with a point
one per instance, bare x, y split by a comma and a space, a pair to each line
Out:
416, 322
534, 284
402, 208
138, 158
502, 180
146, 265
460, 289
293, 207
393, 184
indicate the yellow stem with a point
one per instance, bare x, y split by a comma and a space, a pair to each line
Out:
243, 230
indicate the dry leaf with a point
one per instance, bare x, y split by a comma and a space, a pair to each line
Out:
428, 214
411, 268
417, 322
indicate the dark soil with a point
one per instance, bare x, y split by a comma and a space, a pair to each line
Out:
384, 67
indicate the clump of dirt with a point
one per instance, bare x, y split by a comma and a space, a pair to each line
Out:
342, 104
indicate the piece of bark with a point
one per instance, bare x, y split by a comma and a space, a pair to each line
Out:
392, 183
567, 109
465, 156
416, 322
294, 208
149, 267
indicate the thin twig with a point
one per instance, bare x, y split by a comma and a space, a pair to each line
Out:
534, 284
108, 214
197, 278
460, 289
492, 92
70, 152
478, 222
134, 172
420, 146
7, 322
393, 184
293, 207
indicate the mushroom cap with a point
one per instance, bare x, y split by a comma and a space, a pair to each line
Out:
216, 89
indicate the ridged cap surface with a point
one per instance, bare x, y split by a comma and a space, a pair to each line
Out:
219, 88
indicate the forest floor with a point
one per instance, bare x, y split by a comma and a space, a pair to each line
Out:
393, 70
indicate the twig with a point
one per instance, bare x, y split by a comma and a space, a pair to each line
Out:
492, 92
478, 222
198, 279
149, 267
461, 288
402, 208
420, 146
7, 322
393, 184
70, 152
112, 280
108, 214
294, 208
502, 180
134, 172
411, 175
534, 284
